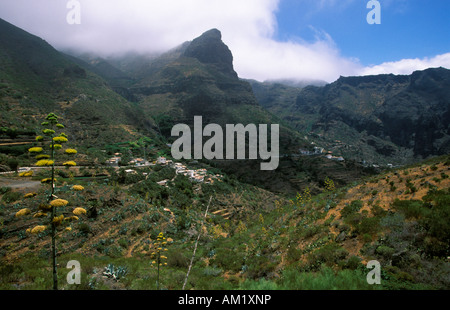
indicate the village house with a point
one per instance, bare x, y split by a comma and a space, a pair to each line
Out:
337, 158
139, 162
113, 161
161, 160
198, 175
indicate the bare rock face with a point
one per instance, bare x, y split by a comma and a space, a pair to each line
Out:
209, 49
380, 118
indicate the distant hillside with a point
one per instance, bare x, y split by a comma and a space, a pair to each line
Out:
106, 101
377, 119
198, 79
36, 79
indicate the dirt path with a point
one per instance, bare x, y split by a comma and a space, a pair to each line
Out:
135, 244
19, 183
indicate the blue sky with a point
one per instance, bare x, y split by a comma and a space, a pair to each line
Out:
269, 39
408, 29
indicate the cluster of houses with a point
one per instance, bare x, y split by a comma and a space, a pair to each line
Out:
114, 161
137, 162
337, 158
320, 151
316, 151
194, 175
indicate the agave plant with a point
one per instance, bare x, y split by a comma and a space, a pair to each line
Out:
51, 141
115, 273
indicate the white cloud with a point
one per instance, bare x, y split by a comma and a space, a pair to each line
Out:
407, 66
248, 28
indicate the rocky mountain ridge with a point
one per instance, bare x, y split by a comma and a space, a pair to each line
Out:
382, 118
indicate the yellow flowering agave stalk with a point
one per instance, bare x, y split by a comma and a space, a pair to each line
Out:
57, 220
48, 132
26, 174
160, 246
79, 211
23, 212
69, 163
40, 214
42, 156
29, 195
44, 162
56, 146
329, 184
35, 150
71, 218
38, 229
71, 151
77, 188
46, 153
44, 207
60, 139
59, 203
48, 180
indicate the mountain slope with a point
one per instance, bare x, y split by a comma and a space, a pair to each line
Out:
201, 81
195, 79
377, 119
36, 79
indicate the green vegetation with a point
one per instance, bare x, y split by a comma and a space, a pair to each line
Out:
312, 224
281, 246
52, 205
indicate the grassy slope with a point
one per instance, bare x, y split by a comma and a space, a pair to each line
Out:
252, 239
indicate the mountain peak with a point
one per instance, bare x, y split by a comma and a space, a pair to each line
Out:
210, 49
212, 34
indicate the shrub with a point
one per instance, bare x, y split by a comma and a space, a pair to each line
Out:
437, 217
352, 208
411, 208
325, 279
385, 251
10, 196
231, 260
329, 254
84, 229
353, 262
4, 190
177, 259
368, 225
261, 284
378, 211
